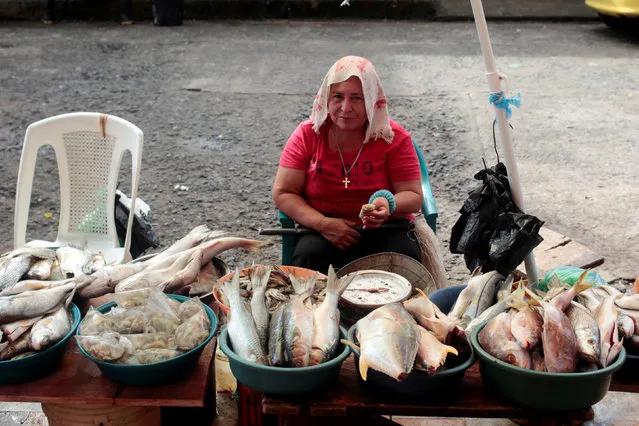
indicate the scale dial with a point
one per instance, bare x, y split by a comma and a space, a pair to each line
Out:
372, 288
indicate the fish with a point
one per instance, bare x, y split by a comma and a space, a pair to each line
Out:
608, 331
628, 302
389, 342
259, 310
104, 281
72, 261
34, 303
56, 272
625, 325
326, 318
50, 329
186, 275
505, 287
40, 269
153, 278
432, 353
31, 285
299, 326
526, 324
36, 252
15, 348
497, 339
484, 295
241, 327
586, 331
195, 237
496, 309
205, 282
421, 305
14, 330
12, 270
466, 296
563, 299
558, 339
276, 350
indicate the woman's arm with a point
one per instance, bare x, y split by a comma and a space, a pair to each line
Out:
287, 195
408, 199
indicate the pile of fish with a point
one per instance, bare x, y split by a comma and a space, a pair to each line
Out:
43, 264
146, 326
279, 288
399, 337
565, 330
183, 268
298, 333
34, 321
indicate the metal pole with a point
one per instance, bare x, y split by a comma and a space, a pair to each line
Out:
495, 85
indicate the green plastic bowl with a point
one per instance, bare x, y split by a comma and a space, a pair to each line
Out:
40, 363
418, 383
282, 380
156, 373
540, 390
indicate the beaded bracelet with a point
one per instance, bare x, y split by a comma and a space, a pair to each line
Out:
385, 194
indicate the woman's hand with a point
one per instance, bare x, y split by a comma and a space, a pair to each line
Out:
377, 217
340, 232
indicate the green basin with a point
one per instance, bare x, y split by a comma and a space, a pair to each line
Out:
283, 380
540, 390
156, 373
40, 363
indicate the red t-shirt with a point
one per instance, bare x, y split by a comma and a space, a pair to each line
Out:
378, 165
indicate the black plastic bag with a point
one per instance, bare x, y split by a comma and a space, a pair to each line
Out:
492, 231
142, 236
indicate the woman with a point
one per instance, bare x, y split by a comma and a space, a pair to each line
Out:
347, 155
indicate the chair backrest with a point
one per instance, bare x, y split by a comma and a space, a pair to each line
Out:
429, 210
89, 148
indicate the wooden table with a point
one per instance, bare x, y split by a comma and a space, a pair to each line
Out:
351, 397
79, 381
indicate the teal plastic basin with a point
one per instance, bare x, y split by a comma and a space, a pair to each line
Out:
40, 363
540, 390
156, 373
419, 383
283, 380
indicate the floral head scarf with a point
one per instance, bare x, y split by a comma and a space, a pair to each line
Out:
374, 98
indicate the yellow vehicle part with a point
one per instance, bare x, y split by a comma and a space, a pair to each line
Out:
627, 8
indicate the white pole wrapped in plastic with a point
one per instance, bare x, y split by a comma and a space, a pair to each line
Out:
495, 84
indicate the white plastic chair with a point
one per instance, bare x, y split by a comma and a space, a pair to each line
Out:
89, 148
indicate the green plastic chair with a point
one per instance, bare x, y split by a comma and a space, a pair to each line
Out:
429, 209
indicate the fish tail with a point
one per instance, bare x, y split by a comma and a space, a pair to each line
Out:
232, 288
420, 291
363, 367
534, 299
337, 285
303, 288
254, 245
582, 286
317, 357
449, 350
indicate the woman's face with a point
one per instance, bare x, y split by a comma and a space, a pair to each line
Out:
346, 105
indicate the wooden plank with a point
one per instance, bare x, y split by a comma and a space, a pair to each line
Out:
79, 381
625, 381
559, 250
350, 396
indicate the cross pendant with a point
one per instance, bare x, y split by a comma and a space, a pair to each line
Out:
346, 182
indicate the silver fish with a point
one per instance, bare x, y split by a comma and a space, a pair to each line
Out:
40, 270
299, 326
195, 237
12, 270
33, 303
326, 319
15, 348
258, 303
586, 331
389, 341
72, 260
31, 285
499, 307
241, 327
276, 350
35, 252
484, 295
466, 296
50, 329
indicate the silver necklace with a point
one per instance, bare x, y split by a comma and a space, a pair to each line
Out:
346, 172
